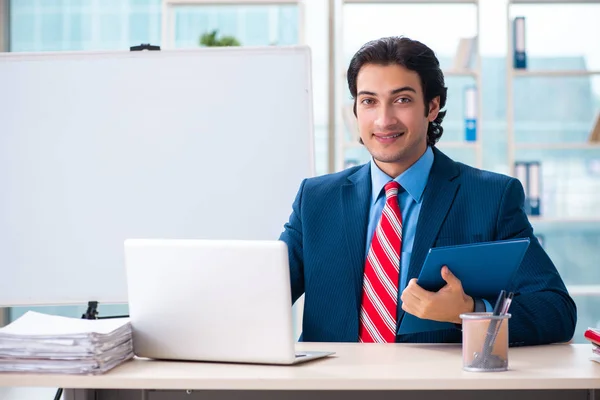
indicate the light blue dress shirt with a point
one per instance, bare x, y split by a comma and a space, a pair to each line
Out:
413, 181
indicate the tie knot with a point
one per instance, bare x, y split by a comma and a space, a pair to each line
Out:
391, 189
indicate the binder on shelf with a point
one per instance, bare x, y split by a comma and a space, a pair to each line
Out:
534, 194
465, 51
471, 113
529, 173
520, 56
595, 133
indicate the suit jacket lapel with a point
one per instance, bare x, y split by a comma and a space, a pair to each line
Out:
438, 196
356, 195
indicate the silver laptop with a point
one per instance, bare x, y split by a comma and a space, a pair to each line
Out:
211, 300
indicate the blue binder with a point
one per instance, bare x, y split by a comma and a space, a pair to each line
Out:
520, 53
484, 269
471, 113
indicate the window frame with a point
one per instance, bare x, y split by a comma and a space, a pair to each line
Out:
169, 6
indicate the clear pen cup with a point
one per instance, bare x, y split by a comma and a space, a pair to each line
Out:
485, 342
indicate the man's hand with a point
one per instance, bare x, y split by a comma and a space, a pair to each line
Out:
445, 305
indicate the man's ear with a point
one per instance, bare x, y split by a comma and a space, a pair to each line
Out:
434, 109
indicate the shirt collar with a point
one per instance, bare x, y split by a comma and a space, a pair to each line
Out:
413, 180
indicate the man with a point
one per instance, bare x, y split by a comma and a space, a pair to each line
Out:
357, 239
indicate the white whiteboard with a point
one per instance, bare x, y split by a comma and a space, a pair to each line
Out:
99, 147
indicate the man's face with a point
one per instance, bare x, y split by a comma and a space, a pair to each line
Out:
391, 115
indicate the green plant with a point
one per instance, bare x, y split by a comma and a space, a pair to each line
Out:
210, 40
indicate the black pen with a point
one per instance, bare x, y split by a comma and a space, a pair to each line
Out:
488, 343
499, 303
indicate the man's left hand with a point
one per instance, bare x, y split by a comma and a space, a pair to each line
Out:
444, 305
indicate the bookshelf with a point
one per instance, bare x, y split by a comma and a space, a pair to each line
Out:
456, 145
515, 73
571, 238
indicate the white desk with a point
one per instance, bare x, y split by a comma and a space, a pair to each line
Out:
419, 371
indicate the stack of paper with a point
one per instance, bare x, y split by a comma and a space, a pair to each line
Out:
46, 343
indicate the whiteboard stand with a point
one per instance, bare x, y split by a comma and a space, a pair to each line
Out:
92, 311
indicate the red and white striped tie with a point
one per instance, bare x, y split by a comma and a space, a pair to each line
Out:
380, 282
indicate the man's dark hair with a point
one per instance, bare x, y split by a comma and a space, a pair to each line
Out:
414, 56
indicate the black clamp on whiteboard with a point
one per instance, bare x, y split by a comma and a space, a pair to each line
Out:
144, 46
92, 311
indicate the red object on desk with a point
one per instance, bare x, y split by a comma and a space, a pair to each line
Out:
593, 335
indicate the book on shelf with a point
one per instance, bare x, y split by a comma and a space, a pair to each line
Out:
519, 53
595, 133
465, 52
529, 173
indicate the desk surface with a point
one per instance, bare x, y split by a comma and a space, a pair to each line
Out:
354, 367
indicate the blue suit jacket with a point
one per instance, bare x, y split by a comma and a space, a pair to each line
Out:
326, 236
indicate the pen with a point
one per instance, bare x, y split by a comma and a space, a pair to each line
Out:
499, 303
505, 307
488, 343
488, 359
507, 302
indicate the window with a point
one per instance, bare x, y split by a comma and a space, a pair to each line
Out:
70, 25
